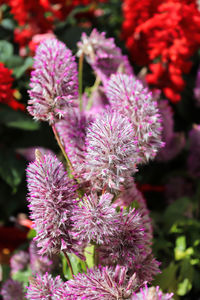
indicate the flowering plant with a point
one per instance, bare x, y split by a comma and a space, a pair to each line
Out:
84, 207
113, 207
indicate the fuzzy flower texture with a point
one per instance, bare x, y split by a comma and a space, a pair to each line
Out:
53, 82
51, 196
105, 150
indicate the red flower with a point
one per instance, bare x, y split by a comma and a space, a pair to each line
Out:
164, 37
38, 16
6, 91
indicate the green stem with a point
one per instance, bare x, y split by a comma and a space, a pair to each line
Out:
71, 171
69, 164
69, 264
96, 255
80, 80
93, 89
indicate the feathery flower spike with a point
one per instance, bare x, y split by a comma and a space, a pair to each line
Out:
129, 97
96, 219
127, 243
54, 82
45, 287
51, 196
19, 261
101, 283
40, 264
131, 194
111, 152
72, 131
12, 289
103, 55
151, 293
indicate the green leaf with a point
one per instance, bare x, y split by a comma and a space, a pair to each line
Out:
167, 280
14, 61
17, 119
8, 24
6, 50
186, 272
78, 265
5, 272
184, 287
19, 71
22, 276
181, 243
175, 212
31, 234
11, 169
89, 254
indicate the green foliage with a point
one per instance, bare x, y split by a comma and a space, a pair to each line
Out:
12, 61
78, 265
23, 276
89, 255
178, 225
31, 234
17, 119
11, 169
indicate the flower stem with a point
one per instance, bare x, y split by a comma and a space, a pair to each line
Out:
80, 80
93, 89
69, 264
69, 164
96, 256
71, 171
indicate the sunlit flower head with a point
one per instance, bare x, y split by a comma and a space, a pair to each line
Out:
45, 287
51, 197
95, 220
129, 97
54, 81
151, 293
103, 55
101, 283
127, 243
111, 153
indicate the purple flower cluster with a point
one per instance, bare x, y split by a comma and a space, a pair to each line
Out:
127, 242
40, 264
131, 195
104, 148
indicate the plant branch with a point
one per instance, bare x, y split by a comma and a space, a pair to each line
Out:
93, 89
71, 171
69, 264
80, 80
